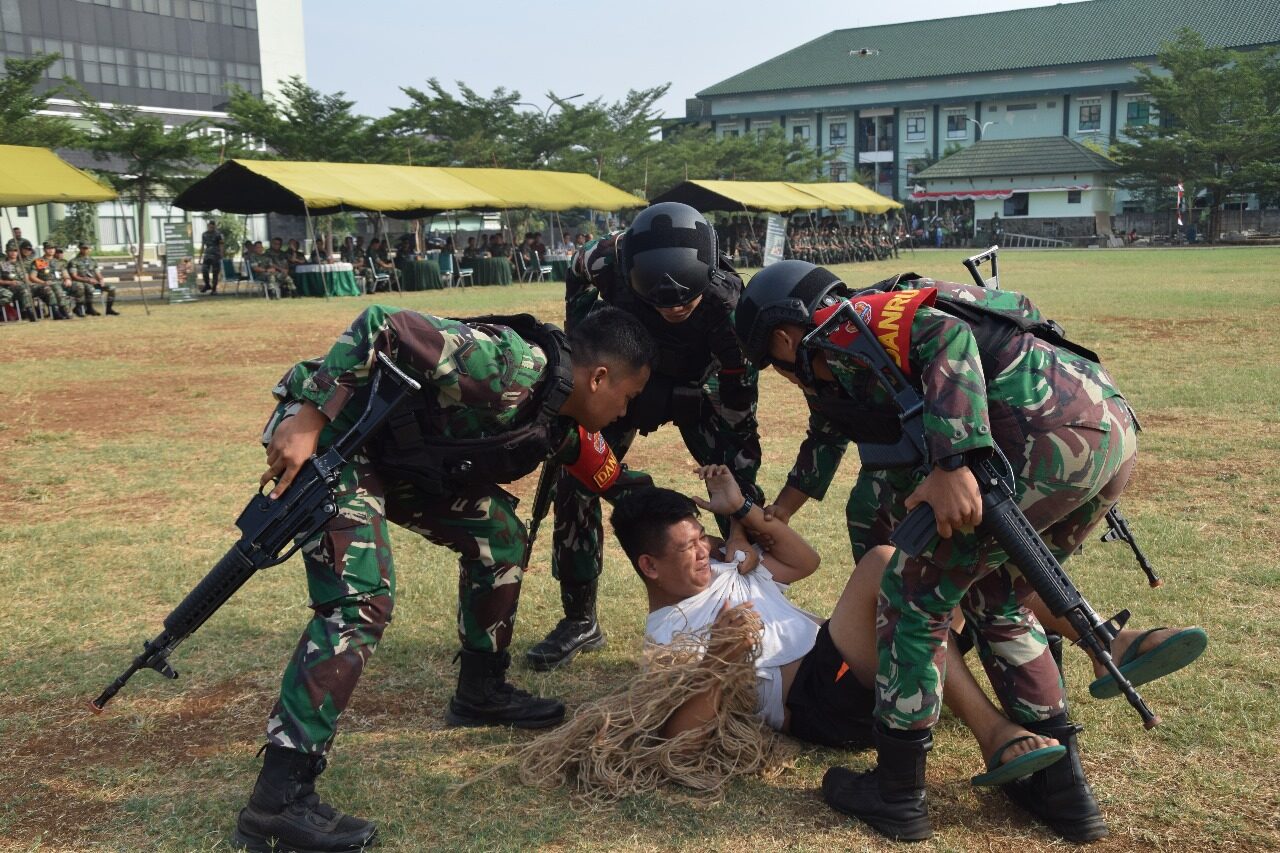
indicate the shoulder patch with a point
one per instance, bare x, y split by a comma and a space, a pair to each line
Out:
887, 315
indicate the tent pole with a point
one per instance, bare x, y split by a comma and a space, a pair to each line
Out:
315, 247
141, 291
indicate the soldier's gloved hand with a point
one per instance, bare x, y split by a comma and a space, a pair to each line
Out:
294, 441
954, 497
736, 393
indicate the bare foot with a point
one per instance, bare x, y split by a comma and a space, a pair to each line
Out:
1120, 645
991, 740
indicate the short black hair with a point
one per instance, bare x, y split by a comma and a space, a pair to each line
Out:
610, 335
642, 520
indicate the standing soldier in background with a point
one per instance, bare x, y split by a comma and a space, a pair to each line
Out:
18, 242
666, 271
211, 251
46, 284
13, 280
84, 269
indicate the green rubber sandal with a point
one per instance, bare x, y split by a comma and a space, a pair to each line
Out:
1170, 656
1016, 768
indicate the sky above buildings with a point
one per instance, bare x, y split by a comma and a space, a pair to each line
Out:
369, 50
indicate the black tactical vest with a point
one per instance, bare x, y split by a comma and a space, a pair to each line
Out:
410, 447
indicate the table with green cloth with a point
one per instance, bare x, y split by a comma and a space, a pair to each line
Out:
489, 270
421, 275
559, 269
312, 278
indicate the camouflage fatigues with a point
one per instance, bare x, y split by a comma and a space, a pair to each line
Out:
48, 288
14, 243
686, 388
86, 266
277, 281
13, 281
1070, 437
481, 378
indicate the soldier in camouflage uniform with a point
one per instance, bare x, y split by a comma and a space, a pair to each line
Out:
46, 281
272, 272
1070, 436
13, 281
84, 269
78, 293
665, 270
479, 380
18, 242
278, 258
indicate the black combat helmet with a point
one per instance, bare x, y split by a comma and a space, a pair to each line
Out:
784, 292
669, 254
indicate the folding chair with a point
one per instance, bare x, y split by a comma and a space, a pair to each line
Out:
462, 274
10, 313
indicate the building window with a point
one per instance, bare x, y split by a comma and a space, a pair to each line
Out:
1091, 115
915, 127
957, 125
1013, 108
1016, 205
1073, 196
730, 133
763, 130
1138, 112
22, 210
839, 172
800, 132
838, 134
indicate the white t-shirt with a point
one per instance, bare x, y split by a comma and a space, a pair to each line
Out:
789, 632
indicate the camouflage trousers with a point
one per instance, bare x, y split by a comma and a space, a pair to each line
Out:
80, 292
278, 284
1071, 476
714, 437
351, 582
20, 292
6, 297
50, 293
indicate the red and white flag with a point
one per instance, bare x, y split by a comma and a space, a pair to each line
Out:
1179, 202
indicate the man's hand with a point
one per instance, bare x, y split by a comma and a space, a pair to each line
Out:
738, 543
955, 499
733, 633
725, 496
294, 441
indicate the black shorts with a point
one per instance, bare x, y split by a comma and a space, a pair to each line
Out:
828, 706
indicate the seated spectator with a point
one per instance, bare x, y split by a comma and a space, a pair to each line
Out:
271, 269
498, 247
380, 263
294, 255
471, 250
539, 246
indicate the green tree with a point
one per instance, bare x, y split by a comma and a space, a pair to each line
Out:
78, 226
439, 128
154, 160
1219, 129
20, 103
303, 123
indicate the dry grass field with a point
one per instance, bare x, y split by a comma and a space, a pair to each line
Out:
128, 445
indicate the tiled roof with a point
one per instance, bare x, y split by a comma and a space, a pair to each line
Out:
1064, 34
1050, 155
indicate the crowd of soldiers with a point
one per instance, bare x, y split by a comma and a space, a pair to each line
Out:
50, 283
829, 241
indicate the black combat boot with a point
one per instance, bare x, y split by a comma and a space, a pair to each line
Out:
484, 698
111, 308
577, 632
89, 309
891, 798
285, 812
79, 309
31, 314
1059, 795
59, 313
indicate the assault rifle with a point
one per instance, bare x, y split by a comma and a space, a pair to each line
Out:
268, 526
1117, 527
1001, 517
541, 503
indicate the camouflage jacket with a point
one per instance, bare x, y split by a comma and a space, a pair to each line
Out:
12, 270
17, 244
1035, 384
85, 267
481, 378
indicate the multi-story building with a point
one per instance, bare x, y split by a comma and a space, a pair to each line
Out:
886, 101
172, 58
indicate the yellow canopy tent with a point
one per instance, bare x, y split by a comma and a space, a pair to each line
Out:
546, 190
280, 186
407, 192
37, 175
773, 196
848, 196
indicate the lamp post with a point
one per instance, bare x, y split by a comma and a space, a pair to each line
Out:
982, 126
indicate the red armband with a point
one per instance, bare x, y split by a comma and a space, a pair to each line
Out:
596, 467
889, 317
